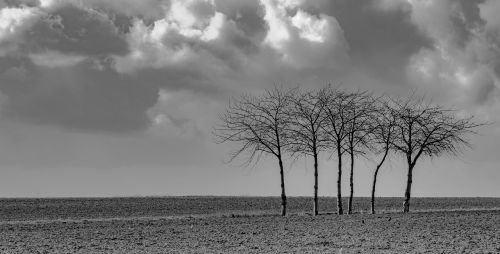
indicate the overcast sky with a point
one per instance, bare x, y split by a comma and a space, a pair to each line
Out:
119, 97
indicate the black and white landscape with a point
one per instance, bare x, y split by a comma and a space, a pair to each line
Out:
249, 126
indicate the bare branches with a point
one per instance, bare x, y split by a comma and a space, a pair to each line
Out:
306, 123
256, 123
337, 104
307, 130
427, 129
360, 125
259, 125
383, 125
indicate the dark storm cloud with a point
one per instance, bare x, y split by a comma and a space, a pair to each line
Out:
86, 94
148, 10
179, 79
73, 30
247, 15
465, 19
380, 42
471, 12
80, 98
18, 3
84, 98
8, 62
70, 83
121, 22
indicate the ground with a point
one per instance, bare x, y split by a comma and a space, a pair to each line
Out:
472, 230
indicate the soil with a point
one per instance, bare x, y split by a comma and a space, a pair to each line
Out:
473, 231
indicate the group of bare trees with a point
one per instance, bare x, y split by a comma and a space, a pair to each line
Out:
290, 121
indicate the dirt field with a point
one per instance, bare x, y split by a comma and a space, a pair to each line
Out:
473, 231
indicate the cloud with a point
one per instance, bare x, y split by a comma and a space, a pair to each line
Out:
78, 98
215, 47
248, 19
107, 53
137, 84
146, 9
380, 40
54, 59
183, 114
197, 29
304, 40
191, 34
57, 70
460, 66
65, 28
173, 40
70, 29
13, 24
391, 5
489, 13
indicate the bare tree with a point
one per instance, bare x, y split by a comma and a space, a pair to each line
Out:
337, 104
382, 132
258, 124
358, 129
307, 130
429, 130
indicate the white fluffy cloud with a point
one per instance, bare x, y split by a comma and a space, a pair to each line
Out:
183, 34
304, 40
170, 42
194, 35
195, 29
13, 23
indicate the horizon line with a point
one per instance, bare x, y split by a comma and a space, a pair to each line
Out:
224, 196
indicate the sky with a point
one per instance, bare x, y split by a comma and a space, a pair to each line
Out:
120, 97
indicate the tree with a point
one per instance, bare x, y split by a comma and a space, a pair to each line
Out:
383, 131
360, 107
258, 124
337, 116
429, 130
307, 130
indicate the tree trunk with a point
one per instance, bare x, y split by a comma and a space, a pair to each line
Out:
339, 183
406, 204
283, 195
375, 180
315, 205
373, 189
351, 182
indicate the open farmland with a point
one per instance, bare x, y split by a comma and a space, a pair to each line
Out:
245, 224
